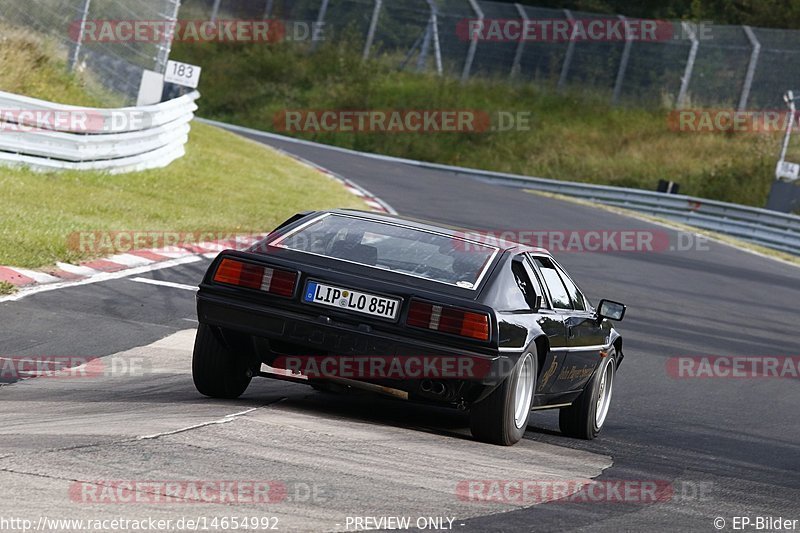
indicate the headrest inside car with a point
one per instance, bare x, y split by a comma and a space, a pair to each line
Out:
359, 253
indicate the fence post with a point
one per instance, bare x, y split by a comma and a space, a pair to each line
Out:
623, 62
751, 67
687, 73
562, 80
437, 49
426, 46
411, 50
165, 47
373, 25
788, 97
215, 10
473, 43
515, 68
323, 8
76, 52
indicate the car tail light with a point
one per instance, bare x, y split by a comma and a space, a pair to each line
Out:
271, 280
448, 320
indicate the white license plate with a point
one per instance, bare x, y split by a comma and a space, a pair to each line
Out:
350, 300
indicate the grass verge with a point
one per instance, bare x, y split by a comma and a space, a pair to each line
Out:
6, 288
572, 137
224, 183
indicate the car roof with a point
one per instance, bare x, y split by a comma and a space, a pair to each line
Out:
482, 237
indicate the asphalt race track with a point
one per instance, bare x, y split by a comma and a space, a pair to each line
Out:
727, 447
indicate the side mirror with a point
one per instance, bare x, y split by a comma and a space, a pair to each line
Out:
610, 310
538, 302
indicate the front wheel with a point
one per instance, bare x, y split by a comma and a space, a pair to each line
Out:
502, 417
217, 371
585, 417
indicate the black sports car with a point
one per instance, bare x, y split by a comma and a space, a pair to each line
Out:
348, 299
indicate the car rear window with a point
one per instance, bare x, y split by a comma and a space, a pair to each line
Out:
394, 247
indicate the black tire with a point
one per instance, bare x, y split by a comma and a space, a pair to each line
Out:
579, 419
217, 371
492, 419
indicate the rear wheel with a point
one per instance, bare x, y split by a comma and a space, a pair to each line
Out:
585, 417
217, 371
502, 417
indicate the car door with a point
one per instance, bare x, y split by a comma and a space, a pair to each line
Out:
584, 335
554, 317
549, 320
530, 287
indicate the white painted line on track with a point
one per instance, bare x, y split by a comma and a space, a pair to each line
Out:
224, 420
165, 284
106, 276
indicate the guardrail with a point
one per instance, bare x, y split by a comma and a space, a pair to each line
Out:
771, 229
47, 136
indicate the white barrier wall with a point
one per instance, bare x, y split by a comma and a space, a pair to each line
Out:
47, 136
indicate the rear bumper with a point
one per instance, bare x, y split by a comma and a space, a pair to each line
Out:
319, 336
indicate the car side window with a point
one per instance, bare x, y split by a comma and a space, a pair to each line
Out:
558, 291
524, 282
578, 301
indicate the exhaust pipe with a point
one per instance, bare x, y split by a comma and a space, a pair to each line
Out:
371, 387
436, 388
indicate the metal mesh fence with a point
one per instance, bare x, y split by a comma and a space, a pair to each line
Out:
720, 67
654, 72
116, 63
680, 65
779, 49
400, 27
